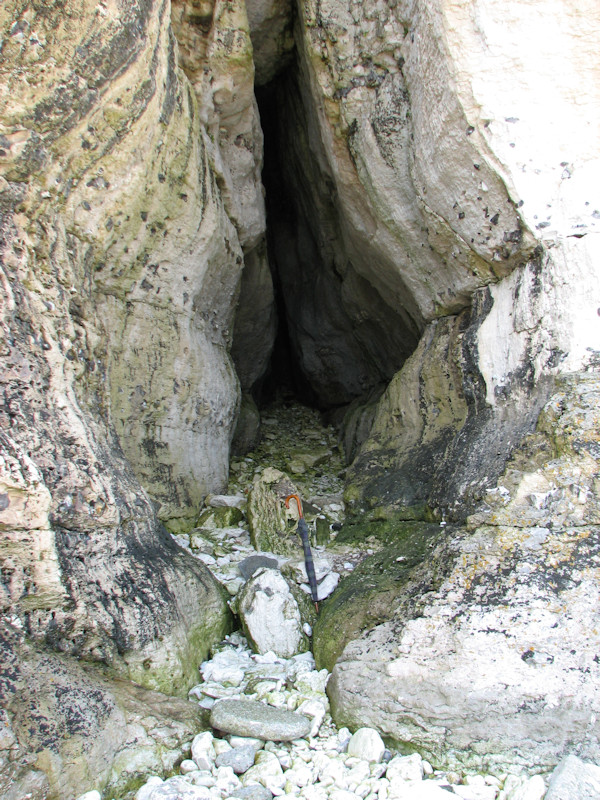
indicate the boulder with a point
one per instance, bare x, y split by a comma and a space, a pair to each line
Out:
366, 744
267, 514
255, 719
69, 726
573, 779
269, 614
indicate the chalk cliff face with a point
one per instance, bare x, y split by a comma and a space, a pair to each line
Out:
120, 273
499, 155
431, 174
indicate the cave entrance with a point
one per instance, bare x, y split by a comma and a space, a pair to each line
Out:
309, 324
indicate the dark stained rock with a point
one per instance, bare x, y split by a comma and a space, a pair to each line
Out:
72, 726
253, 563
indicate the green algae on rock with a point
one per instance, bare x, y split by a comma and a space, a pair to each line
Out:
92, 728
267, 515
364, 598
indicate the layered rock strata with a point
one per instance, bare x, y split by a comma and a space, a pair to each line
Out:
504, 202
120, 272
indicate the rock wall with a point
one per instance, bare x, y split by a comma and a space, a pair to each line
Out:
503, 144
120, 271
476, 382
486, 655
433, 192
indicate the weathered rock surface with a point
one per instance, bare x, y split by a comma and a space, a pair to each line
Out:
269, 614
488, 652
59, 531
70, 727
573, 778
271, 34
499, 255
267, 514
106, 349
252, 718
239, 759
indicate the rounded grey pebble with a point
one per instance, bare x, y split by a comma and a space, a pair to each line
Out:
239, 759
253, 792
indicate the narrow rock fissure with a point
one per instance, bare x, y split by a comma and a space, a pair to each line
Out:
337, 338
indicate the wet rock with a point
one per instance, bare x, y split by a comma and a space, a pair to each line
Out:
270, 615
255, 719
251, 564
573, 779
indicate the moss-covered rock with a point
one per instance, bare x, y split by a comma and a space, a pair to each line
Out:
219, 517
363, 599
80, 726
268, 519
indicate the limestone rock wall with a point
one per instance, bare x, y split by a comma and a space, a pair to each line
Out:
410, 176
487, 655
120, 269
495, 622
521, 213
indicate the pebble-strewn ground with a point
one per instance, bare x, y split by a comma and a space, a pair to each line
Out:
326, 764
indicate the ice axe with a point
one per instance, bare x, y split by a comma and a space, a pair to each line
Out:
308, 559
